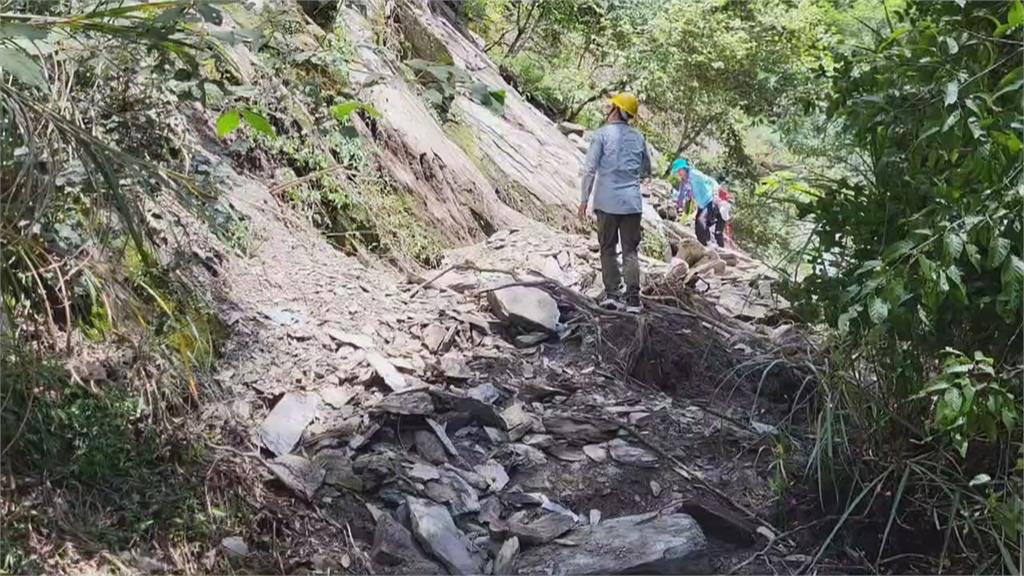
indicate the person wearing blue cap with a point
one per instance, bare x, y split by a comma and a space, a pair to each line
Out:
702, 190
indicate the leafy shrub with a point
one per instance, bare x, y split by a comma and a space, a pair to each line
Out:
917, 255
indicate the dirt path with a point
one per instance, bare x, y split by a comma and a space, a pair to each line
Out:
417, 434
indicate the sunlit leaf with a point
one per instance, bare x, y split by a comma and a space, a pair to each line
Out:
953, 244
343, 110
1015, 17
951, 120
952, 91
878, 310
258, 123
228, 122
998, 248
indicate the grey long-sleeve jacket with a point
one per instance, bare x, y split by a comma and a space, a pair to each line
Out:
618, 159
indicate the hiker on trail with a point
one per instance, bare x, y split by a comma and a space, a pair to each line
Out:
700, 188
617, 160
725, 210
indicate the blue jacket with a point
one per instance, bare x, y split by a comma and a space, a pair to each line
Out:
698, 186
617, 159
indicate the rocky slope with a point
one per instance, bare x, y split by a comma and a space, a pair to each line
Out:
484, 417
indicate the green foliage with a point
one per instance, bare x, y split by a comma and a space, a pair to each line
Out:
654, 244
968, 402
442, 82
916, 250
118, 479
229, 121
342, 111
932, 234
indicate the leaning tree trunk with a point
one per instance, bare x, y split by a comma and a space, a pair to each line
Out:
685, 141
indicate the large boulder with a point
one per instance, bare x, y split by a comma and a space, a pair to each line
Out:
530, 308
642, 544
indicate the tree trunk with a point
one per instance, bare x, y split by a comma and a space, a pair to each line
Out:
521, 28
575, 111
685, 141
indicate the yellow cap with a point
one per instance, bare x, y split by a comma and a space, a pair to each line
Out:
626, 102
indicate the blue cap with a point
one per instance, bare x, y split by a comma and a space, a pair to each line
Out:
680, 164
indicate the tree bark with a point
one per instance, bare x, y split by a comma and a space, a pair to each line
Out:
685, 141
575, 111
521, 28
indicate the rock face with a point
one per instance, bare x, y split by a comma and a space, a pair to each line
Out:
530, 308
643, 544
436, 531
283, 427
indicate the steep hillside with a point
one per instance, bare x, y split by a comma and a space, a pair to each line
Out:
354, 410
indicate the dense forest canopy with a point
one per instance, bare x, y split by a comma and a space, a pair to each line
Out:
875, 149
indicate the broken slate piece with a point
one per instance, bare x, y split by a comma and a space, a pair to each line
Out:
531, 339
642, 544
490, 510
505, 561
360, 440
531, 308
435, 530
235, 546
453, 490
433, 337
439, 430
300, 475
423, 472
386, 370
494, 474
517, 421
337, 396
346, 339
539, 530
416, 403
453, 366
567, 453
393, 545
579, 431
624, 453
283, 427
596, 452
485, 393
429, 447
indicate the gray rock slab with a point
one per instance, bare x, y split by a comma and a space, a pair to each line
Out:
436, 532
642, 544
531, 308
283, 427
302, 476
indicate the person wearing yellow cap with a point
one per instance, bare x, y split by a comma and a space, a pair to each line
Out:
616, 162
